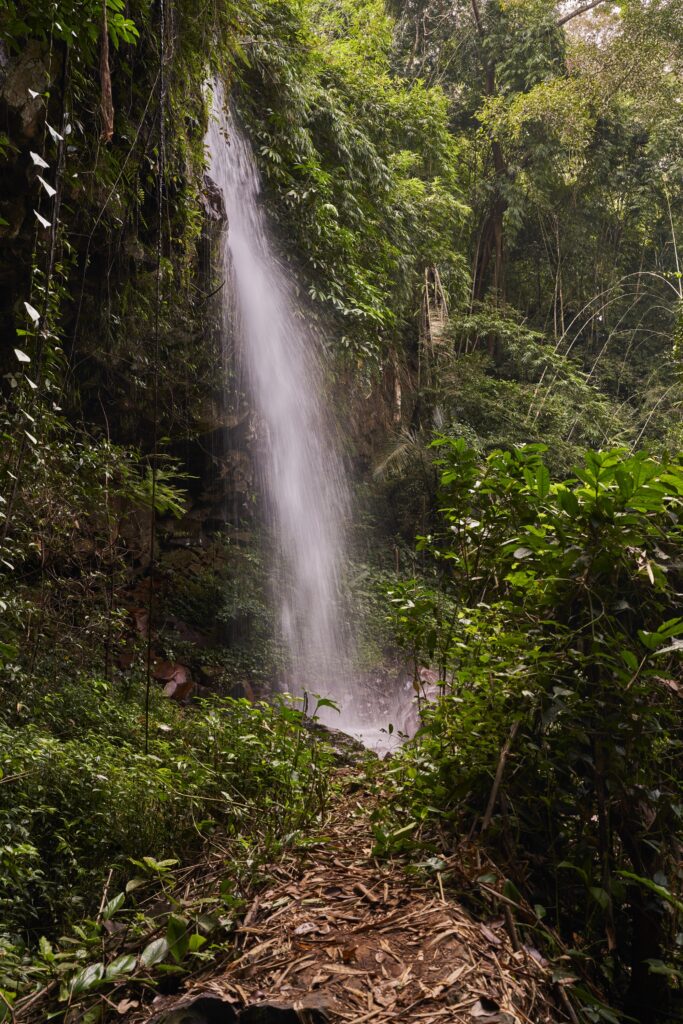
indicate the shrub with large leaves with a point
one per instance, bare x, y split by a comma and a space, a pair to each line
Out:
563, 650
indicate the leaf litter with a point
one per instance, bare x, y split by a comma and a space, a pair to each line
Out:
337, 935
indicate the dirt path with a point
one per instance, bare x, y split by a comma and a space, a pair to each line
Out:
338, 936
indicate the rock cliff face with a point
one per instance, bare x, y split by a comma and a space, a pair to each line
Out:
23, 83
214, 561
109, 282
24, 80
106, 257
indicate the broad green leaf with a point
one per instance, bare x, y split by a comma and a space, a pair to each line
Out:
568, 501
177, 936
154, 953
113, 905
124, 964
87, 979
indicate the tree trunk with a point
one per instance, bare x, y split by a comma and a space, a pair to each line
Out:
491, 248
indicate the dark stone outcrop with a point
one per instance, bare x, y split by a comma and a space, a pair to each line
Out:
23, 80
211, 1009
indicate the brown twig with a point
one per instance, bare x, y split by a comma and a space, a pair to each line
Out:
488, 814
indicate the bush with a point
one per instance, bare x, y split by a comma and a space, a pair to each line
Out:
559, 655
80, 797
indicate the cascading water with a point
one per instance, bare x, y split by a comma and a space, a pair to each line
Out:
303, 479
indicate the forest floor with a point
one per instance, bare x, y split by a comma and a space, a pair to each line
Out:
336, 935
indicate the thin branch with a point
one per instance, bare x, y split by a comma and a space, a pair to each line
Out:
578, 10
486, 820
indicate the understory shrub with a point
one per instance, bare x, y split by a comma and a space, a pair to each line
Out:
80, 796
557, 632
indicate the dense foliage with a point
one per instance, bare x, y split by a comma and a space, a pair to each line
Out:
556, 630
482, 204
239, 775
362, 165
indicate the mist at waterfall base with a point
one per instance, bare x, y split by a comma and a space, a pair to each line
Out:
305, 490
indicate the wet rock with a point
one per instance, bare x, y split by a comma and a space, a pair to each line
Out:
133, 248
13, 212
179, 689
282, 1013
177, 679
211, 675
211, 1009
242, 690
212, 201
125, 659
428, 676
201, 692
347, 750
27, 72
188, 634
211, 414
189, 539
135, 532
208, 1009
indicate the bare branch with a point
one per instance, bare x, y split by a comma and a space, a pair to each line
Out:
579, 10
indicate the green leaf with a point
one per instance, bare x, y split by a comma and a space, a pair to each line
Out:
511, 891
113, 905
659, 890
159, 866
325, 702
124, 964
600, 896
574, 867
154, 953
177, 937
87, 979
135, 883
659, 967
568, 501
92, 1015
405, 830
7, 997
8, 651
542, 480
630, 659
650, 640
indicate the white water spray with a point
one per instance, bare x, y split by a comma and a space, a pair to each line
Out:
302, 475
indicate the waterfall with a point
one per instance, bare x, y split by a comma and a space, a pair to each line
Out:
303, 480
